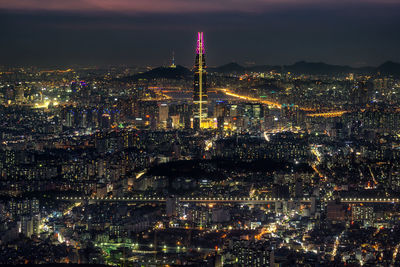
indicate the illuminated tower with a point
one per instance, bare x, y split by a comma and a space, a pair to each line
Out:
173, 60
200, 85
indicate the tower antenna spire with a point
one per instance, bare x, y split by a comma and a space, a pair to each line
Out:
173, 60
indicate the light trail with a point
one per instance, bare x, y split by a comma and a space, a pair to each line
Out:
271, 229
315, 151
335, 247
279, 106
248, 98
77, 204
378, 230
314, 167
395, 252
372, 175
330, 114
43, 222
140, 174
266, 137
56, 71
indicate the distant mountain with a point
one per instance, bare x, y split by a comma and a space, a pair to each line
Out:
303, 67
389, 68
177, 73
299, 67
316, 68
232, 67
264, 68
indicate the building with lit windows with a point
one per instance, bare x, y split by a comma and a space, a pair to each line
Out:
200, 85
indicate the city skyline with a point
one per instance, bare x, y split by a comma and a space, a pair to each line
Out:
274, 146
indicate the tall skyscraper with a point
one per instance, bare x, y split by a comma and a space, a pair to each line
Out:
163, 115
200, 85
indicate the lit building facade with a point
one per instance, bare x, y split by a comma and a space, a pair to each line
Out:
200, 97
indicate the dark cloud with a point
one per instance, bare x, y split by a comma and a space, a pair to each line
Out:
179, 6
335, 33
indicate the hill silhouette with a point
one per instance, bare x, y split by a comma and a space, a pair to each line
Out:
389, 68
301, 67
177, 73
304, 67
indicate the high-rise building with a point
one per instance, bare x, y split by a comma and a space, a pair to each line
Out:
220, 113
106, 121
361, 93
163, 115
29, 225
200, 84
171, 208
362, 213
70, 118
19, 93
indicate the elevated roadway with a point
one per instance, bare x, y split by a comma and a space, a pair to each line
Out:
231, 200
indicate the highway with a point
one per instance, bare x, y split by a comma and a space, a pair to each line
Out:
232, 200
328, 114
248, 98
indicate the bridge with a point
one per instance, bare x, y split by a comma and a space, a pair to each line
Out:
329, 114
227, 200
226, 91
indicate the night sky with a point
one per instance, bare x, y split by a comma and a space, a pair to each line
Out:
145, 32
